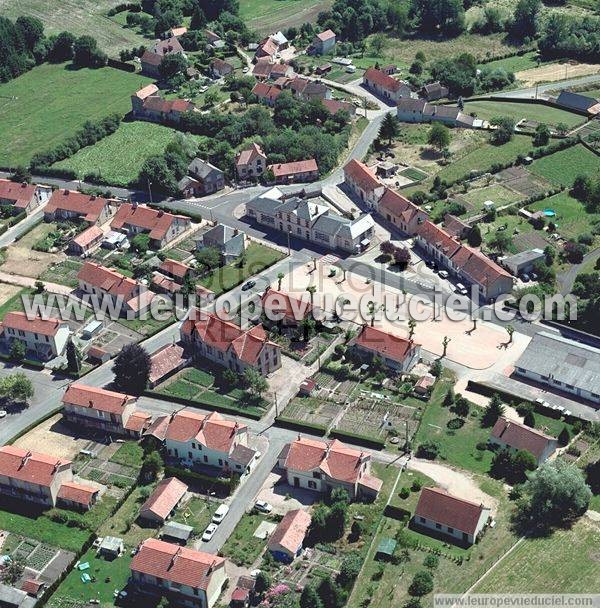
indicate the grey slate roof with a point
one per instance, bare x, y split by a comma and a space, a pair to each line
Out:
525, 257
177, 531
576, 101
202, 169
242, 454
219, 234
565, 360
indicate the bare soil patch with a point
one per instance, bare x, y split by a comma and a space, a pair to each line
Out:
556, 71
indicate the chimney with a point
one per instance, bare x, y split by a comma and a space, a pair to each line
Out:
161, 213
66, 192
90, 403
26, 458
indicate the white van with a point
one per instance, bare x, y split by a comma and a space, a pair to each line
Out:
461, 289
220, 513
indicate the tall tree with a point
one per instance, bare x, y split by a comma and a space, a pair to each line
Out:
73, 357
439, 136
132, 369
390, 128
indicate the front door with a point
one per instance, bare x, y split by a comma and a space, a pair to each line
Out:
296, 482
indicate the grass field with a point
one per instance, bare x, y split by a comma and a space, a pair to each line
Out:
564, 166
495, 192
49, 103
78, 17
518, 111
565, 562
118, 158
266, 16
514, 64
130, 454
242, 547
483, 157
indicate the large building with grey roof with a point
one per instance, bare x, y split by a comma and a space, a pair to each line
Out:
562, 364
308, 216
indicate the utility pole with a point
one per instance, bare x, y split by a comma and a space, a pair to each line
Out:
276, 410
289, 246
150, 190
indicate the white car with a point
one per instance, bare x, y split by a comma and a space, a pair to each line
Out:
263, 506
443, 274
209, 532
461, 289
3, 414
220, 513
255, 573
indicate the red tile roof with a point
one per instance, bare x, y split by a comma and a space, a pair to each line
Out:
147, 91
96, 398
478, 267
138, 421
108, 280
167, 46
268, 47
278, 303
212, 431
77, 493
381, 79
176, 564
151, 58
175, 268
249, 155
221, 66
385, 344
19, 194
326, 35
294, 168
333, 106
165, 498
89, 236
165, 283
32, 587
396, 204
291, 531
332, 457
156, 222
165, 360
454, 226
19, 321
158, 104
265, 91
31, 467
439, 239
361, 175
437, 505
520, 437
87, 206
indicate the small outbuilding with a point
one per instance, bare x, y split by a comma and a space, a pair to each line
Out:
111, 546
176, 532
385, 550
162, 502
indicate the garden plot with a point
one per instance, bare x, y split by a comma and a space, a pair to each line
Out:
366, 417
313, 410
36, 555
524, 182
314, 564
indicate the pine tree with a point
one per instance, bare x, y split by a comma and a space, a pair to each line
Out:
73, 357
132, 369
390, 128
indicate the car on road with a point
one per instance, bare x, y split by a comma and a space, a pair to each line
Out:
3, 414
248, 285
443, 274
209, 532
246, 70
461, 289
255, 573
220, 513
263, 506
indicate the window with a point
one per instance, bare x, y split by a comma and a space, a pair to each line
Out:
438, 526
422, 520
193, 446
312, 485
190, 455
316, 475
450, 530
220, 462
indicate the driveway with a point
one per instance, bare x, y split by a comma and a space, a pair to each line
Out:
277, 492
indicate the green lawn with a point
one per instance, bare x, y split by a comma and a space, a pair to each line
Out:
565, 562
483, 157
495, 192
78, 17
514, 64
242, 547
14, 303
106, 576
517, 111
257, 258
196, 513
571, 218
51, 102
118, 158
266, 16
130, 454
512, 225
564, 166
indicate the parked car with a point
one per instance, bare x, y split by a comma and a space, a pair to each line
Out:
534, 277
525, 278
209, 532
443, 274
263, 506
248, 285
220, 513
461, 289
3, 414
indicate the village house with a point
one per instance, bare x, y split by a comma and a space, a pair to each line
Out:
450, 516
267, 48
307, 90
162, 227
154, 108
97, 409
516, 436
44, 339
230, 242
73, 205
333, 106
455, 227
323, 466
419, 110
220, 68
35, 477
266, 93
128, 295
361, 180
175, 32
285, 543
307, 216
178, 271
202, 179
214, 40
195, 439
395, 353
152, 57
163, 501
85, 242
466, 263
434, 91
402, 213
284, 309
251, 163
295, 172
22, 197
578, 102
385, 86
189, 577
562, 365
76, 496
229, 345
323, 43
264, 69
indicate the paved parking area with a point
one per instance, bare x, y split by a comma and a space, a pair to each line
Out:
284, 497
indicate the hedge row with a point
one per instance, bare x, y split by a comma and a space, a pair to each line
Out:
205, 482
296, 425
368, 442
11, 221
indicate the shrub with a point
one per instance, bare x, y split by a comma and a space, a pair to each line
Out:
417, 484
431, 562
404, 493
422, 583
429, 450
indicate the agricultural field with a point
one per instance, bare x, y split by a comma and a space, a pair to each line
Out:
518, 111
567, 561
52, 101
266, 16
78, 17
514, 64
118, 158
564, 166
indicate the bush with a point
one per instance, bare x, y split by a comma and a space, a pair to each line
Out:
422, 583
429, 450
404, 493
431, 562
416, 486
